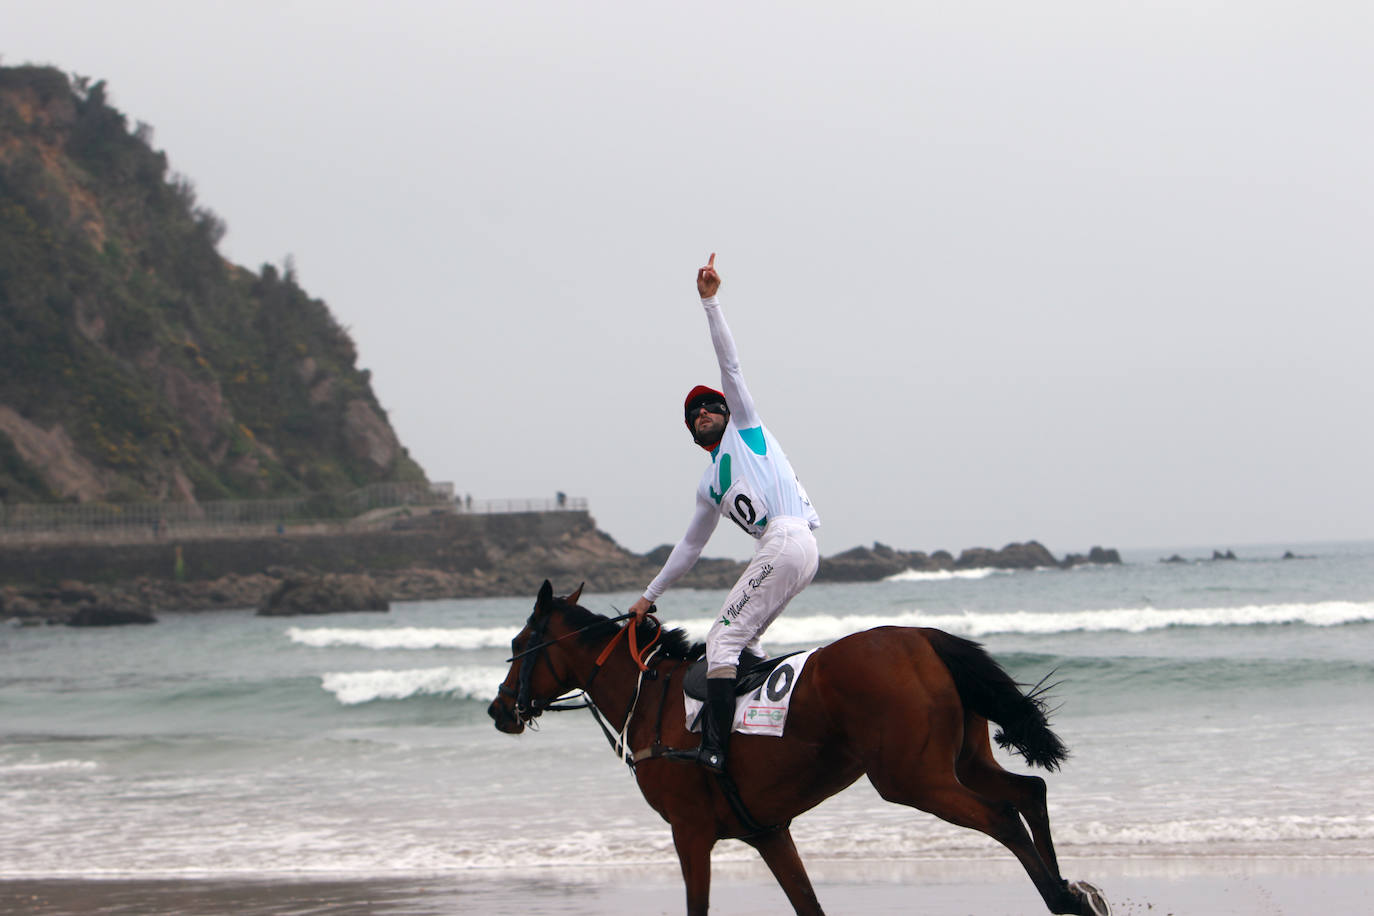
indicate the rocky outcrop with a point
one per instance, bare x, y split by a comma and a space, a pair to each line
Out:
128, 602
1217, 556
302, 593
368, 436
867, 564
75, 604
863, 564
103, 615
1098, 555
1030, 555
53, 456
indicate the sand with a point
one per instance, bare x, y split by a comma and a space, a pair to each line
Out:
1135, 887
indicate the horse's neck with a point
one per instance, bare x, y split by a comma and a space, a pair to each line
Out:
611, 686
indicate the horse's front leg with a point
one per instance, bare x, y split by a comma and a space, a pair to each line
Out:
693, 842
780, 853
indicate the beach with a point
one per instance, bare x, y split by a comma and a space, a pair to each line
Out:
1135, 887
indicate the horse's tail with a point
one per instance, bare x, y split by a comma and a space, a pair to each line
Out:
990, 692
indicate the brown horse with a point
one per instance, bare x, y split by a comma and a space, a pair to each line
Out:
907, 707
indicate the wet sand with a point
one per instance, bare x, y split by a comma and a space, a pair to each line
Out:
1135, 887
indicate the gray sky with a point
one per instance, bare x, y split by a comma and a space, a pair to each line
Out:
1082, 272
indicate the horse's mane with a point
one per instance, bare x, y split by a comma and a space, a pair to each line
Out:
600, 628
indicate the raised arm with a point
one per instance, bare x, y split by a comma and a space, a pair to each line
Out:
742, 410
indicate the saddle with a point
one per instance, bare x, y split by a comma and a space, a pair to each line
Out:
749, 674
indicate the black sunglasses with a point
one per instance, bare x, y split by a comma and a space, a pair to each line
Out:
717, 407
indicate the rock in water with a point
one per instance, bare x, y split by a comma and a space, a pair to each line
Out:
98, 615
327, 594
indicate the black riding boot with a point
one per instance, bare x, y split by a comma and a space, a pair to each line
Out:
716, 720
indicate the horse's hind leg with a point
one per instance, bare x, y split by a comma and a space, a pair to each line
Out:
778, 850
920, 772
979, 770
952, 801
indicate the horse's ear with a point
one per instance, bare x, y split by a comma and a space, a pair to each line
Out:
572, 599
545, 595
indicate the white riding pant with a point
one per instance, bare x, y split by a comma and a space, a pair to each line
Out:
784, 563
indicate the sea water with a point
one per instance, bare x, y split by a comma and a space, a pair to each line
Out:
1212, 708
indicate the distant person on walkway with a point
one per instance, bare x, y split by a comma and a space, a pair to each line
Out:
751, 482
562, 500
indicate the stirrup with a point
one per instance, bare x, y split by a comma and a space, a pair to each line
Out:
711, 760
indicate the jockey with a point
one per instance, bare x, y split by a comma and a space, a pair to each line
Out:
751, 482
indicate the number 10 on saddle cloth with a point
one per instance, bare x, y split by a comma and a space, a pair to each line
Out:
762, 711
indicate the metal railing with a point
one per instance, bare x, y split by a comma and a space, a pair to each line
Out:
320, 512
567, 504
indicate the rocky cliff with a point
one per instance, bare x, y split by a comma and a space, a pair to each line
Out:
136, 364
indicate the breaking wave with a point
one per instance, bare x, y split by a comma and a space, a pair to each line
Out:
464, 683
404, 637
822, 628
938, 575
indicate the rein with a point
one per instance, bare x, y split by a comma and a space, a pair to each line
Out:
636, 653
544, 645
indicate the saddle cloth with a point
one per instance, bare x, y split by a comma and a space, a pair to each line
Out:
763, 710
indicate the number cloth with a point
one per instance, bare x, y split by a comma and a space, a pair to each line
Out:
763, 711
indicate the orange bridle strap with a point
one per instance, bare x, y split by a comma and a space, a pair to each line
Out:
636, 653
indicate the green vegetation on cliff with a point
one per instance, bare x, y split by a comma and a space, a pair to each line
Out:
135, 362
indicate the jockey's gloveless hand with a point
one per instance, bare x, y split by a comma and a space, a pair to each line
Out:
708, 281
640, 608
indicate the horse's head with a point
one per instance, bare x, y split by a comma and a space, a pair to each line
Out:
538, 673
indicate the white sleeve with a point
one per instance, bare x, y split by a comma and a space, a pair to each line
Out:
742, 411
687, 551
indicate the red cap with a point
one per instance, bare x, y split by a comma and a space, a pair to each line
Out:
704, 394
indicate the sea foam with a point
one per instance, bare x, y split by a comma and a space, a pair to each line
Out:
829, 837
48, 766
939, 575
823, 628
471, 683
403, 637
1143, 619
818, 629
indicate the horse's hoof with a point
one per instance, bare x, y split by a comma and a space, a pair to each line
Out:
1096, 904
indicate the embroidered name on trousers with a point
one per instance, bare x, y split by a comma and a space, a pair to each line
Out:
733, 611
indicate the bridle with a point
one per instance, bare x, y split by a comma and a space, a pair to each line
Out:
529, 708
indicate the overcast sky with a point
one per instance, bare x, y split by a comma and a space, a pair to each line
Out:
1084, 272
